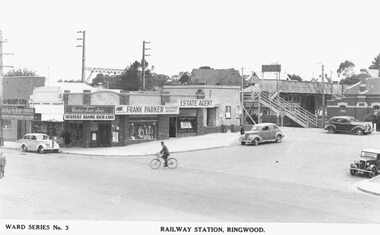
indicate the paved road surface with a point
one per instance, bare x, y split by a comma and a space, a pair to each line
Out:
303, 179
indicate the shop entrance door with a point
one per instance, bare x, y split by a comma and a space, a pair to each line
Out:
172, 127
104, 134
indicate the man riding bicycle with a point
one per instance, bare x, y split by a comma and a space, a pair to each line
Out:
165, 153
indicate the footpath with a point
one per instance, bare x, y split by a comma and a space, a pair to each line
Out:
371, 186
174, 145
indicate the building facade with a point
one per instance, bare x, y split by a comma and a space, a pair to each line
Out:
220, 111
16, 114
118, 118
360, 101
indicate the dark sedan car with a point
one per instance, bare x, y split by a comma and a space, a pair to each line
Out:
347, 124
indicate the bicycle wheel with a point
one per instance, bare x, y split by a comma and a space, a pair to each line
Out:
155, 164
172, 163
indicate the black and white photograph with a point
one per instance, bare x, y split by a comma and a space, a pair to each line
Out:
189, 116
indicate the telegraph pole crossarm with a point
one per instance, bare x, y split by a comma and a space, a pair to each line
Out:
143, 63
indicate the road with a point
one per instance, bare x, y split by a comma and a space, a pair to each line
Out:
303, 179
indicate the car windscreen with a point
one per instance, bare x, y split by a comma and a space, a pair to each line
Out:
369, 154
256, 128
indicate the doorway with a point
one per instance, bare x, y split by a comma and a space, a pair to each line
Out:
172, 126
104, 134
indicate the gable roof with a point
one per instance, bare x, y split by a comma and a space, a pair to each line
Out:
215, 77
372, 85
303, 87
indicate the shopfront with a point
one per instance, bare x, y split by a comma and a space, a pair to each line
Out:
144, 122
16, 121
91, 125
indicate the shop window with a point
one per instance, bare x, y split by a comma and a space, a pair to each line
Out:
187, 124
228, 112
142, 131
7, 124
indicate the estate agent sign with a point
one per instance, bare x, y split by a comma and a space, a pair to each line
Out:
9, 112
196, 103
146, 109
89, 112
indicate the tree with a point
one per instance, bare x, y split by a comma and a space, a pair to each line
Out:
294, 77
353, 79
375, 63
21, 72
346, 69
184, 78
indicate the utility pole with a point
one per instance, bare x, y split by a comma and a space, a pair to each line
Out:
143, 63
83, 39
242, 98
1, 86
323, 96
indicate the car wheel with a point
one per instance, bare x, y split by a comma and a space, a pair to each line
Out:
242, 143
373, 173
24, 148
255, 142
279, 139
331, 130
41, 149
359, 131
352, 172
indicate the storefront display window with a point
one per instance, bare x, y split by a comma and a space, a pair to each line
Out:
186, 124
142, 131
228, 112
7, 124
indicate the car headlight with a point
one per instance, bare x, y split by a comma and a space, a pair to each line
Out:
367, 164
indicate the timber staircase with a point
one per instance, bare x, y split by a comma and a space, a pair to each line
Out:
279, 105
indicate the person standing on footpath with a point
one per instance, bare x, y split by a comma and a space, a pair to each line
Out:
3, 162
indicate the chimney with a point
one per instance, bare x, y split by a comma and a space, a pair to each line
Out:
363, 85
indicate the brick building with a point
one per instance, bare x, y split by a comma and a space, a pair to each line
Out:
359, 101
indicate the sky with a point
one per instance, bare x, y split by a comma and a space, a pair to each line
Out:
186, 34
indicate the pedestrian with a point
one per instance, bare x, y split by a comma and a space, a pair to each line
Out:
3, 161
66, 138
242, 130
165, 153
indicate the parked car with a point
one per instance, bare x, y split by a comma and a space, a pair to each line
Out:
263, 132
347, 124
369, 163
38, 142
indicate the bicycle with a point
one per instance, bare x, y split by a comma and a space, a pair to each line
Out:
156, 163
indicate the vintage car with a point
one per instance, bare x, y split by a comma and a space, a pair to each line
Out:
347, 124
263, 132
38, 142
368, 164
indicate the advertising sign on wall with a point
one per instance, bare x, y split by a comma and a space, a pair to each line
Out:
196, 103
9, 112
146, 109
89, 112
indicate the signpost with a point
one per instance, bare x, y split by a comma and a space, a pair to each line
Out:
146, 109
10, 112
196, 103
89, 112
